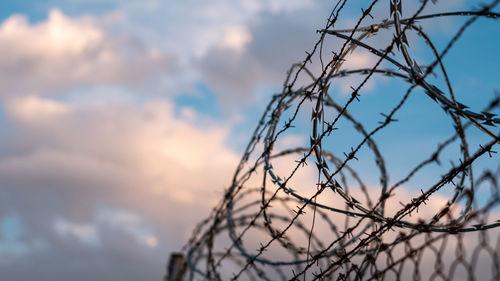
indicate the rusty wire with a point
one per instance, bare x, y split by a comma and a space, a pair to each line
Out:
273, 225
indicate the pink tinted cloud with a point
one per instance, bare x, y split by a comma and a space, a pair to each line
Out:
63, 52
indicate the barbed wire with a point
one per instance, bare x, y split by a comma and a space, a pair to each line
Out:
323, 220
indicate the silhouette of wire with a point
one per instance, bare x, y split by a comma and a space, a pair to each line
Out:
306, 212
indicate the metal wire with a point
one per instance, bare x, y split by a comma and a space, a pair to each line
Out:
307, 213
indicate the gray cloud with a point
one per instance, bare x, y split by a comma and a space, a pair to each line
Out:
99, 189
277, 41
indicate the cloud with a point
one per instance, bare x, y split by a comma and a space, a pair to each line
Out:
209, 20
84, 233
235, 38
32, 108
98, 174
128, 222
58, 37
235, 48
108, 175
146, 138
277, 41
61, 53
89, 233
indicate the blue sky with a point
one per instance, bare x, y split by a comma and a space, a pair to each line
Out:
123, 121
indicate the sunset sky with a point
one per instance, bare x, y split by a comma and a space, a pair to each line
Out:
122, 121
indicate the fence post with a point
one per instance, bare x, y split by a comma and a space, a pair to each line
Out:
176, 267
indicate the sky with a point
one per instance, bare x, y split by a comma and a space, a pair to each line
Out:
122, 121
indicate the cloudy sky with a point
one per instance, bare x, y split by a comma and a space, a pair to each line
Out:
123, 121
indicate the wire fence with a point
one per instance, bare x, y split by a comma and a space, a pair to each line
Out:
314, 212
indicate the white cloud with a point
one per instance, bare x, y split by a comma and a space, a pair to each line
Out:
235, 37
61, 53
140, 159
83, 232
128, 222
35, 108
133, 46
149, 241
208, 20
58, 37
89, 233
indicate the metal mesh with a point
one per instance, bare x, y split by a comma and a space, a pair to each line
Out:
314, 212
